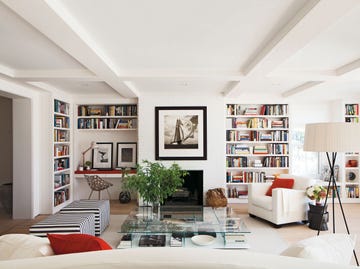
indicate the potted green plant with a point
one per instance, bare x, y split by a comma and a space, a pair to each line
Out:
155, 182
88, 165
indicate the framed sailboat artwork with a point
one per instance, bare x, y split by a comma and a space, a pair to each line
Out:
180, 133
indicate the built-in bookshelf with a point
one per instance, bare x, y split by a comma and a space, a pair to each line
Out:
61, 155
257, 146
351, 180
103, 122
110, 117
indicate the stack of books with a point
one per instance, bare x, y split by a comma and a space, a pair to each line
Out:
125, 241
260, 149
251, 111
236, 240
257, 163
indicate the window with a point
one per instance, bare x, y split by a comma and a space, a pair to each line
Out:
302, 162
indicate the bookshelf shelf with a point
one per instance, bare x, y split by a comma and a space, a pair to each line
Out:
112, 122
351, 181
107, 117
62, 181
257, 145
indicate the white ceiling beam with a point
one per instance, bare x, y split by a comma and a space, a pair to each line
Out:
309, 75
301, 88
262, 60
348, 68
55, 23
230, 87
7, 71
181, 75
73, 74
315, 17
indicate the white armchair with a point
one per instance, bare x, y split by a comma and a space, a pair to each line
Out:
284, 206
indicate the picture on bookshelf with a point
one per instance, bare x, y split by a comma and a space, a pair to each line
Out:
102, 156
180, 133
325, 172
126, 154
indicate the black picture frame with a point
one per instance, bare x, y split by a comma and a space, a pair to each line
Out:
126, 154
102, 156
181, 133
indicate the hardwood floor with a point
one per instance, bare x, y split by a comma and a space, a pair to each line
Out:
290, 233
8, 225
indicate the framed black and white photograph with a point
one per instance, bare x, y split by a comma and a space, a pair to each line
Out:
180, 133
102, 156
126, 154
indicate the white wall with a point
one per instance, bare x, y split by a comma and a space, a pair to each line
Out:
214, 166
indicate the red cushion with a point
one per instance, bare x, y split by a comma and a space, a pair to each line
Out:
287, 183
73, 243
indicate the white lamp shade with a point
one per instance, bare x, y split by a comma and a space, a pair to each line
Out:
332, 137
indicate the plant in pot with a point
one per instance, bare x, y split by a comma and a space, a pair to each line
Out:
155, 182
88, 165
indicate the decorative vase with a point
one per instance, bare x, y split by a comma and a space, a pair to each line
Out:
124, 197
156, 211
316, 221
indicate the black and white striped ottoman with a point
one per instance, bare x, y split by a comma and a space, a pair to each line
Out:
65, 224
100, 208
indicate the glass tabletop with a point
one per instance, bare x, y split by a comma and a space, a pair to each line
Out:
187, 223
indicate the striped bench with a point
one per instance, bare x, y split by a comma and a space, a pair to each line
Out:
100, 208
64, 224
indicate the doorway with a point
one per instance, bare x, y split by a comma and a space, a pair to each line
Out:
6, 158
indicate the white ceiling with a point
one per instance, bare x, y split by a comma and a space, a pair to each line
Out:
293, 49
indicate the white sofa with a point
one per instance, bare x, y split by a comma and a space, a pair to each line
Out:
28, 251
163, 258
285, 205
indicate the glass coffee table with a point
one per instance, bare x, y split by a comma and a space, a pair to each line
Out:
203, 227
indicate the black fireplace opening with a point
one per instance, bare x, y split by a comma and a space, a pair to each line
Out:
187, 202
191, 192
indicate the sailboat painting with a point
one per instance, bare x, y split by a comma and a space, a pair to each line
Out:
180, 133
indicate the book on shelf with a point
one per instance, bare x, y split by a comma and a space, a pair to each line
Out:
252, 110
234, 238
237, 179
257, 163
152, 240
239, 123
352, 109
266, 137
237, 161
176, 241
260, 149
274, 110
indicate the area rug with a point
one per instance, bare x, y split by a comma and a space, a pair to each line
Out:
263, 238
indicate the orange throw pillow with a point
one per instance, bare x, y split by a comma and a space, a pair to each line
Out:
286, 183
73, 243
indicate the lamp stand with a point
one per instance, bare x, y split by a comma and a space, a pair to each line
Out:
332, 185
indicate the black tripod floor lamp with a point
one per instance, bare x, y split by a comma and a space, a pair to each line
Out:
331, 138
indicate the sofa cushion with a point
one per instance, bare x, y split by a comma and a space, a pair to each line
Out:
335, 248
73, 243
262, 201
287, 183
19, 246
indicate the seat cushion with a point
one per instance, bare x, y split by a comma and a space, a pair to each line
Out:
263, 202
335, 248
20, 246
287, 183
73, 243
